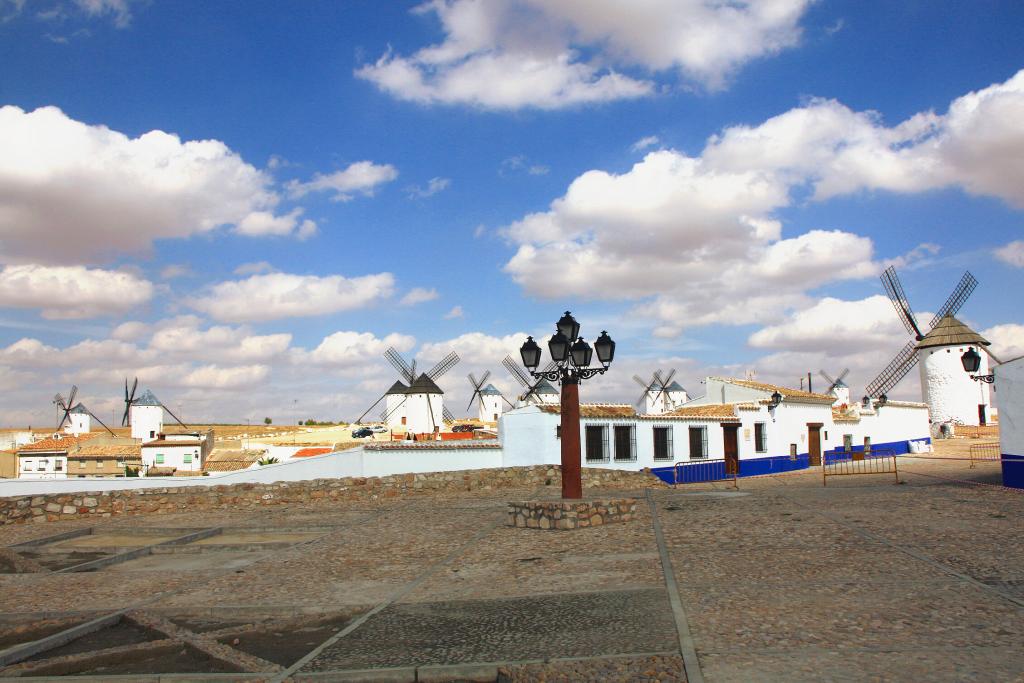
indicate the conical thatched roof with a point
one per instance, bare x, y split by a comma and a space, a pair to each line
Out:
951, 332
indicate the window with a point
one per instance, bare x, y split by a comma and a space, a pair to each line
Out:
42, 465
847, 442
159, 459
99, 464
29, 464
867, 444
663, 443
698, 443
597, 443
760, 438
188, 458
81, 464
58, 466
120, 463
625, 442
792, 451
152, 434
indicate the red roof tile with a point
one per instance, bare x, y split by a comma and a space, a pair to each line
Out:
309, 452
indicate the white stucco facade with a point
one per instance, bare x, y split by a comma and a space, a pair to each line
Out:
147, 421
43, 466
394, 410
491, 407
184, 456
424, 413
78, 423
949, 391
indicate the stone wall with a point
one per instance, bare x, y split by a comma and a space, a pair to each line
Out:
570, 514
23, 509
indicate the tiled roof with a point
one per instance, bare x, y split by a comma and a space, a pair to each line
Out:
490, 390
147, 399
309, 452
840, 416
714, 410
595, 410
544, 387
424, 385
951, 332
675, 386
107, 450
787, 392
225, 460
60, 444
431, 445
166, 443
396, 388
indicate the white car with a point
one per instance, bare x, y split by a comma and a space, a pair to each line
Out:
377, 429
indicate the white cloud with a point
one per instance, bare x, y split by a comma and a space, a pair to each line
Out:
118, 10
362, 177
538, 169
455, 312
175, 270
254, 268
645, 142
1012, 253
351, 349
434, 186
282, 295
77, 193
1007, 340
418, 295
508, 54
263, 223
65, 292
215, 377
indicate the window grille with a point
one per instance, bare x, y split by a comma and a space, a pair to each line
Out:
760, 438
663, 449
625, 443
597, 443
698, 443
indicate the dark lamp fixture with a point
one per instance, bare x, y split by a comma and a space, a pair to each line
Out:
581, 353
776, 400
530, 352
558, 345
882, 400
971, 360
568, 326
605, 348
866, 402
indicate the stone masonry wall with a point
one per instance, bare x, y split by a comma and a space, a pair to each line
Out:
570, 514
24, 509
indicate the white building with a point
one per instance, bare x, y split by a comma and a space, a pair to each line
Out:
1010, 387
490, 404
181, 452
544, 394
841, 393
79, 421
394, 405
146, 416
677, 396
46, 459
424, 406
952, 396
658, 401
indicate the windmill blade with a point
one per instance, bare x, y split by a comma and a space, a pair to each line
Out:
174, 416
472, 380
896, 370
135, 385
389, 413
510, 404
399, 364
894, 289
473, 398
64, 418
487, 376
446, 364
517, 373
831, 382
447, 415
670, 377
843, 374
58, 400
645, 385
71, 396
956, 299
93, 416
372, 406
127, 403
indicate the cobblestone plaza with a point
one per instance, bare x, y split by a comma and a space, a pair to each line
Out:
780, 580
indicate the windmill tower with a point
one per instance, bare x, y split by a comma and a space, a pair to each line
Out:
837, 387
537, 393
951, 394
420, 406
145, 414
661, 395
488, 397
944, 384
677, 395
77, 419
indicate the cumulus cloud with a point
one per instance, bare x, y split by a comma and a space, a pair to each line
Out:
434, 186
253, 268
1012, 253
418, 295
118, 10
508, 54
361, 177
66, 292
645, 142
349, 349
282, 295
455, 312
75, 193
1007, 340
173, 271
263, 223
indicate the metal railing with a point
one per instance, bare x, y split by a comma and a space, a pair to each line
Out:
704, 471
990, 451
840, 463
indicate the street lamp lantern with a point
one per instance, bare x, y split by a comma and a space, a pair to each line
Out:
568, 326
605, 348
558, 346
573, 355
530, 352
581, 353
775, 400
971, 360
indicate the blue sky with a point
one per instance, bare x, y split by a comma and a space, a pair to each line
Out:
719, 187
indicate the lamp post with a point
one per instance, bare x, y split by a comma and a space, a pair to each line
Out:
572, 356
971, 361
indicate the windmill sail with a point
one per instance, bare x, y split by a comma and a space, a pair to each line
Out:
896, 370
894, 289
956, 299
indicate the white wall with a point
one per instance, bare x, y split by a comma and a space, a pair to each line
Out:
29, 467
950, 392
490, 405
424, 412
1010, 387
174, 457
78, 423
395, 409
147, 422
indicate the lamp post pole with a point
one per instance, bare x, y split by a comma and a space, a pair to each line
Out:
571, 356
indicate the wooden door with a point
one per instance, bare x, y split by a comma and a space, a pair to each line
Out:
814, 443
732, 448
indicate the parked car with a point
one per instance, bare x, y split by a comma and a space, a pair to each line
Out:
377, 429
466, 428
362, 432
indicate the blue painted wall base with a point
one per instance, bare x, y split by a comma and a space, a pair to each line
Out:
1013, 470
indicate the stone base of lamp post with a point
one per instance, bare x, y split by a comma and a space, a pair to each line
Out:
565, 515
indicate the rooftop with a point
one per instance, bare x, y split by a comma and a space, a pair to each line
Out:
424, 385
490, 390
310, 452
147, 399
787, 392
721, 411
59, 443
951, 332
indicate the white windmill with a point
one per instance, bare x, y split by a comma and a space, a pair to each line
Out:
145, 414
660, 395
488, 397
838, 388
537, 393
421, 407
77, 419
